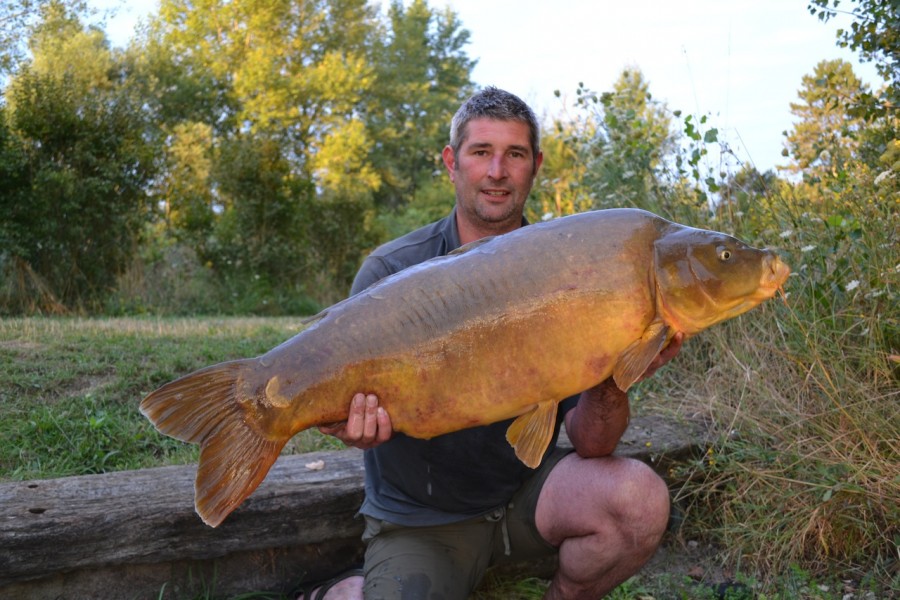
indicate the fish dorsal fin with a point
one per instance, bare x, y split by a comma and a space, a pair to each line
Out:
637, 357
471, 245
530, 433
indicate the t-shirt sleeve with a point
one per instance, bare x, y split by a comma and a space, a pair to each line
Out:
373, 270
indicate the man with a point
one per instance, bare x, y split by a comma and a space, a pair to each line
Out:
439, 512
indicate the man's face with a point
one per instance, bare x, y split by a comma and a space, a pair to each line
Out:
493, 172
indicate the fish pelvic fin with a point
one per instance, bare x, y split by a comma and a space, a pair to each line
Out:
530, 434
639, 354
203, 408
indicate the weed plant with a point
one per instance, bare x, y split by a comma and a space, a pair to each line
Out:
804, 395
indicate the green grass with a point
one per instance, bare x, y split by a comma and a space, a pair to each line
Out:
69, 403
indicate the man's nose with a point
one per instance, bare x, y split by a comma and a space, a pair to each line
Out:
497, 168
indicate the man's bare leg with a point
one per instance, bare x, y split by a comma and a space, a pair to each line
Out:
607, 516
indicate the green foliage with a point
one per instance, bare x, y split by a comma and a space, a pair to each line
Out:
75, 137
825, 138
186, 193
433, 200
558, 190
73, 218
612, 153
260, 206
253, 140
805, 393
421, 78
17, 16
623, 148
275, 193
637, 136
167, 278
875, 34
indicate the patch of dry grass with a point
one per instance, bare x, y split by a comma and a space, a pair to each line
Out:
804, 472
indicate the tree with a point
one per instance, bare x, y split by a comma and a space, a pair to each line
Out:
875, 34
569, 146
625, 139
292, 70
186, 193
76, 213
260, 232
325, 99
17, 17
422, 75
824, 140
638, 137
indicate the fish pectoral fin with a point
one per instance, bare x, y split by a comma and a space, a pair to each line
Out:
637, 357
203, 408
530, 433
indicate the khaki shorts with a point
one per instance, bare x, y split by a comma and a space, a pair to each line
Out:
447, 562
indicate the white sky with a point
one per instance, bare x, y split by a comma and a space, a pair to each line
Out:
739, 61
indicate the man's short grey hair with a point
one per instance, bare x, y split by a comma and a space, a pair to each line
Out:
493, 103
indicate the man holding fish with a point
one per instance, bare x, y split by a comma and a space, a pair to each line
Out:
464, 347
439, 512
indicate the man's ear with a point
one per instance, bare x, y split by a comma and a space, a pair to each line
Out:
449, 161
538, 161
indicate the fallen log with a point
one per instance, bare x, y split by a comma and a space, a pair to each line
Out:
134, 534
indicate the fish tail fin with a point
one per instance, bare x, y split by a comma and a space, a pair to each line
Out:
204, 408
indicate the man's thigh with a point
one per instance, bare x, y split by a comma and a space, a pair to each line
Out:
444, 561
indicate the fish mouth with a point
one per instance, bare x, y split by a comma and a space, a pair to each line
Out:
775, 273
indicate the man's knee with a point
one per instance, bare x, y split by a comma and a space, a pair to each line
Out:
641, 500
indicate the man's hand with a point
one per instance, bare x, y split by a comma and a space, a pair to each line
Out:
367, 424
667, 354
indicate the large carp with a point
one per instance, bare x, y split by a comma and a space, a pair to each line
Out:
504, 327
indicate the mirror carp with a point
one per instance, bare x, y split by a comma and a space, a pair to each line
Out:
505, 327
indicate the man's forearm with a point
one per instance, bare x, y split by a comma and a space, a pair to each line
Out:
599, 419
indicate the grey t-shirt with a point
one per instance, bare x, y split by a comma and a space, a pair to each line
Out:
454, 476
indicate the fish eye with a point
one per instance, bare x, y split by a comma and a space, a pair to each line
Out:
724, 253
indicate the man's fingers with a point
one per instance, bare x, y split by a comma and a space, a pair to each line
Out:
356, 420
385, 429
367, 424
370, 418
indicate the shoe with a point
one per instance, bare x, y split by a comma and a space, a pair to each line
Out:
307, 589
